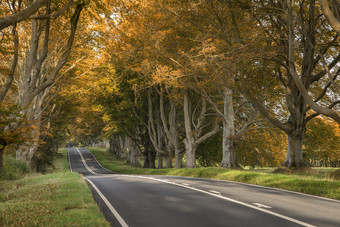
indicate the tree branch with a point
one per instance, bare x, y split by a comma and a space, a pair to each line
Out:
14, 65
332, 20
22, 15
317, 108
264, 111
54, 15
64, 57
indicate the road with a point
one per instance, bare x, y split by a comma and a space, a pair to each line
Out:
131, 200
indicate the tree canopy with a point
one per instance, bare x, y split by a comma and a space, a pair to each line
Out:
209, 82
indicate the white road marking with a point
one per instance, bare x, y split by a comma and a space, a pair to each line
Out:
231, 200
262, 205
85, 164
185, 184
283, 190
98, 162
216, 192
108, 204
69, 162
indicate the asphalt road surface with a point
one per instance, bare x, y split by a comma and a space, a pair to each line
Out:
131, 200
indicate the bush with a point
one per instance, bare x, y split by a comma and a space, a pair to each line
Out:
14, 169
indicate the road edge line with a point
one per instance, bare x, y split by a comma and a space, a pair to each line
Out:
108, 204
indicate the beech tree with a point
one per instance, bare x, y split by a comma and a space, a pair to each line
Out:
39, 71
306, 65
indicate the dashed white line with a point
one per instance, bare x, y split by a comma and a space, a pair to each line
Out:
262, 205
108, 204
216, 192
235, 201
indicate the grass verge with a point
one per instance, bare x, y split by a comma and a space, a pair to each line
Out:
59, 198
314, 182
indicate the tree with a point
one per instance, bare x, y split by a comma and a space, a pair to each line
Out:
39, 73
303, 44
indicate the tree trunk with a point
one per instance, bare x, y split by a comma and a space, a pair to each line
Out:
152, 159
228, 148
114, 144
26, 151
193, 136
26, 154
146, 160
168, 158
294, 153
149, 155
168, 161
122, 148
178, 159
190, 151
133, 153
160, 161
229, 152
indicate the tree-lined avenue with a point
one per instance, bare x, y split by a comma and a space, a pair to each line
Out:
182, 201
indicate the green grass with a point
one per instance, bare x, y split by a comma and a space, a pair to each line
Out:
59, 198
314, 181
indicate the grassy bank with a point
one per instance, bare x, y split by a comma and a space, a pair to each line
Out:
58, 198
314, 181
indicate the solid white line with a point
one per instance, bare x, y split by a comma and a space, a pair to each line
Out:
69, 162
84, 163
108, 204
236, 201
185, 184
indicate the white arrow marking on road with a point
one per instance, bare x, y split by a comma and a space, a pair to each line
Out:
262, 205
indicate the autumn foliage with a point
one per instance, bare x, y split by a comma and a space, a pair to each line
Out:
228, 83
